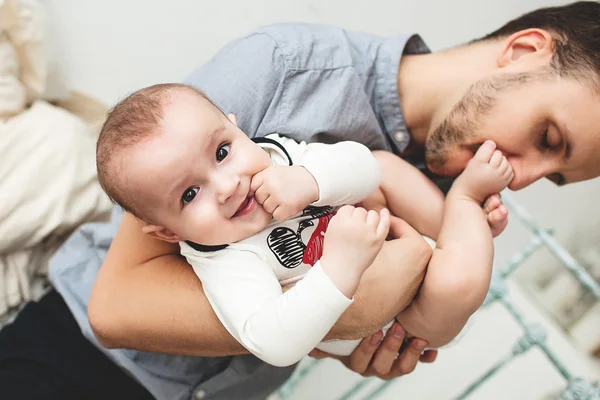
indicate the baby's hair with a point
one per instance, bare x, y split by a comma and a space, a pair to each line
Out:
131, 121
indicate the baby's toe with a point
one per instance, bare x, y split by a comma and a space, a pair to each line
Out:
498, 219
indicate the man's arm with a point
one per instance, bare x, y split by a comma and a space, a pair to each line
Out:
147, 297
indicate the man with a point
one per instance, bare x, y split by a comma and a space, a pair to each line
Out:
532, 87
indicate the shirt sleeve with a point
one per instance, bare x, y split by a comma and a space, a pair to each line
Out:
243, 78
279, 328
346, 172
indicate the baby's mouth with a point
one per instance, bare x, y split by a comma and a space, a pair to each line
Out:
246, 206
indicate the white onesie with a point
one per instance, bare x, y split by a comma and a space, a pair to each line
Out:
243, 280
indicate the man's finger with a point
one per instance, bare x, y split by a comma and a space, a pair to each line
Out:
319, 355
388, 351
361, 357
428, 356
407, 361
400, 228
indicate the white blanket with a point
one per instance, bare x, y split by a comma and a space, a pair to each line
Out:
48, 180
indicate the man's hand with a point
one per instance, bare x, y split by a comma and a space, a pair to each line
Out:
385, 359
284, 191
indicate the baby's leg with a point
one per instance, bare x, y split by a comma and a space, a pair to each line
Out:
459, 272
409, 194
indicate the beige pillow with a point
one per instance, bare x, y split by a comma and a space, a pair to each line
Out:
47, 176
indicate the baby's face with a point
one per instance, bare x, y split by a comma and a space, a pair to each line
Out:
195, 174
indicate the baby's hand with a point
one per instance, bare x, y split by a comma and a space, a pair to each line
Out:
488, 172
354, 238
284, 191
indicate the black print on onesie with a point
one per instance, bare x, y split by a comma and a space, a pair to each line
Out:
288, 246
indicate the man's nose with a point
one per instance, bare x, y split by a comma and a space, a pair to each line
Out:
528, 173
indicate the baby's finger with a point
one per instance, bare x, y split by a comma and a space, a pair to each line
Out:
383, 227
270, 204
281, 213
257, 181
372, 218
345, 211
360, 213
261, 194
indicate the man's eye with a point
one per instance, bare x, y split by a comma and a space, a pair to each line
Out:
189, 195
222, 152
544, 141
550, 142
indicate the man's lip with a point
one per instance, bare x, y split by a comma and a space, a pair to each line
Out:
247, 206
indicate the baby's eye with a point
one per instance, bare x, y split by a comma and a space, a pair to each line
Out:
222, 152
189, 195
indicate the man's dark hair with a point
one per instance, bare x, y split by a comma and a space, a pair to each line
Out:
575, 29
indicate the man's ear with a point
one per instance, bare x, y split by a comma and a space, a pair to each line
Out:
162, 233
232, 118
528, 42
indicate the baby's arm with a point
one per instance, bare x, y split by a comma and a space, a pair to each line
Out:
338, 174
278, 328
409, 194
459, 271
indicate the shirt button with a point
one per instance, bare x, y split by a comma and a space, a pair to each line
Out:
200, 394
399, 136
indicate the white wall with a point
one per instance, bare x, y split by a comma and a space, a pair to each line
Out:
112, 47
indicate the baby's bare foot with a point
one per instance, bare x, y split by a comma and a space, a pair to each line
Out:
488, 172
496, 213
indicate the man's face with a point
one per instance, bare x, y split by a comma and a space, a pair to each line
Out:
547, 126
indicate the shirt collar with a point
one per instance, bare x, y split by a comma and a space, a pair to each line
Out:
386, 86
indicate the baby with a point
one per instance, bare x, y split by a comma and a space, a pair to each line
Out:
253, 215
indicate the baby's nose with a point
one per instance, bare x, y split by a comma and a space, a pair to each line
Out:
227, 188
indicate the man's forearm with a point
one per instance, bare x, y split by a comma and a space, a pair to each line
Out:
158, 306
386, 288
